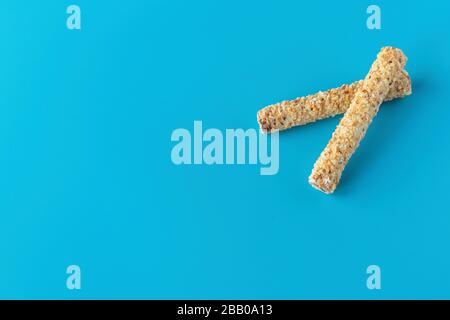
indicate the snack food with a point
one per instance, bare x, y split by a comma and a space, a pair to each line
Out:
345, 140
300, 111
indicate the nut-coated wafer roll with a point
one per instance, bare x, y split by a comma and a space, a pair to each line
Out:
328, 168
300, 111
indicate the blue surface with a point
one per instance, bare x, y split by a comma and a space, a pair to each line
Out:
86, 176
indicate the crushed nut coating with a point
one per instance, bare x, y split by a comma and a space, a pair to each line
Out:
304, 110
351, 129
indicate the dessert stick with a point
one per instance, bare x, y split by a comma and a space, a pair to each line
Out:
351, 129
304, 110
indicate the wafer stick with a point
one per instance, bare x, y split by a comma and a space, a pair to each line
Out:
328, 168
304, 110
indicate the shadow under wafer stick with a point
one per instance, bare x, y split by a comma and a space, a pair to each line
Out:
304, 110
351, 129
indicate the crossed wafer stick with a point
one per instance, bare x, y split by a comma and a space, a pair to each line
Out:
360, 101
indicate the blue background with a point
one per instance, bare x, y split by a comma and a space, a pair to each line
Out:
86, 176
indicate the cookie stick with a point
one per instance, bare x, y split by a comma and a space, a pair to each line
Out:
328, 168
304, 110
